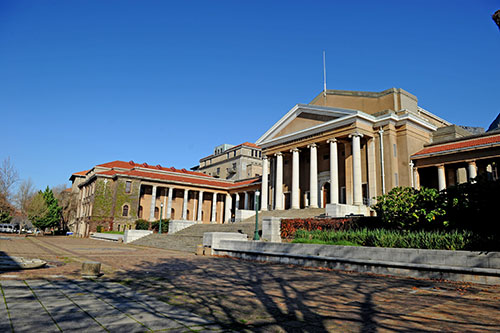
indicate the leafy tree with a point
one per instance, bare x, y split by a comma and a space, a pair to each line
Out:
45, 211
6, 209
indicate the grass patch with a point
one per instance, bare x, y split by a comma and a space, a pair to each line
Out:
319, 241
436, 240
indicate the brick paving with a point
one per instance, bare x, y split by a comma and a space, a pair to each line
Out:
237, 295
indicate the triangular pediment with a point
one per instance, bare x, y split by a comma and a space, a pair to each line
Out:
302, 117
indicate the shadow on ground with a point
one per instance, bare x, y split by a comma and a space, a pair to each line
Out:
247, 295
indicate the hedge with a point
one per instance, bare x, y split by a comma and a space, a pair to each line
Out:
290, 226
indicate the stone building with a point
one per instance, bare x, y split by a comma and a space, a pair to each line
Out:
343, 149
233, 162
115, 194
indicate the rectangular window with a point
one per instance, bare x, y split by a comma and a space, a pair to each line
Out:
395, 150
234, 153
396, 180
260, 154
234, 166
218, 170
128, 187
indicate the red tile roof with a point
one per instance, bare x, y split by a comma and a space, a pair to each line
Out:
463, 144
81, 173
132, 164
177, 178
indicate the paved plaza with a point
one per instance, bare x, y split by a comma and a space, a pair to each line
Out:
149, 289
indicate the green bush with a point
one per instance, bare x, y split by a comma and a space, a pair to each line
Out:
99, 228
438, 240
141, 224
406, 208
164, 226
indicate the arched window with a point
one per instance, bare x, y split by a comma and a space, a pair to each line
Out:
172, 215
157, 212
125, 210
139, 213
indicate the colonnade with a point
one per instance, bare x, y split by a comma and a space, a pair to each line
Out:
469, 165
312, 150
224, 214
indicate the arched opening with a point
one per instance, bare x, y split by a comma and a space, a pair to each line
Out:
157, 213
172, 214
125, 210
139, 212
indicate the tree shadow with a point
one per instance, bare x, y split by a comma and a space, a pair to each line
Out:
247, 295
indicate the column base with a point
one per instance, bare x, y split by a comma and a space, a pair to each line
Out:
341, 210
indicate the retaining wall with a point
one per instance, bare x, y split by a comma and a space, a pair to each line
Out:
477, 267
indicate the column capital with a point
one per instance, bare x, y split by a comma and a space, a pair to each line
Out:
355, 134
331, 140
264, 157
440, 165
293, 150
411, 164
278, 154
471, 161
312, 145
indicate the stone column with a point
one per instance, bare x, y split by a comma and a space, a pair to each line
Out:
164, 204
247, 197
441, 177
214, 207
169, 202
153, 205
472, 170
412, 179
200, 206
372, 169
416, 178
357, 189
313, 176
265, 186
236, 203
185, 204
279, 182
295, 179
334, 171
227, 206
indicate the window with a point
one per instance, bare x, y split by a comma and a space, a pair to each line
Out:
218, 170
139, 213
260, 154
128, 186
125, 210
396, 179
395, 150
234, 153
234, 165
157, 213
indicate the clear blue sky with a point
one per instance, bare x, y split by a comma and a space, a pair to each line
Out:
87, 82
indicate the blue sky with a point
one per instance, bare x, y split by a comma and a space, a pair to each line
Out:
88, 82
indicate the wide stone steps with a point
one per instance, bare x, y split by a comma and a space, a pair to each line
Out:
187, 239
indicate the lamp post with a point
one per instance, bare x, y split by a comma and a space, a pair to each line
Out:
256, 234
161, 213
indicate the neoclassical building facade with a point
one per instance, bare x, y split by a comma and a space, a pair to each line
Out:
343, 149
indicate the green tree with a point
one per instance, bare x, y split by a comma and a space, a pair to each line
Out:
44, 210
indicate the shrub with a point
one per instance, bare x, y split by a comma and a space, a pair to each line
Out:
141, 224
164, 226
99, 228
406, 208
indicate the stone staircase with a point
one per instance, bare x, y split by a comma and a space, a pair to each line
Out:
187, 239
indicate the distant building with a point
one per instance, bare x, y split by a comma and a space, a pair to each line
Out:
233, 162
